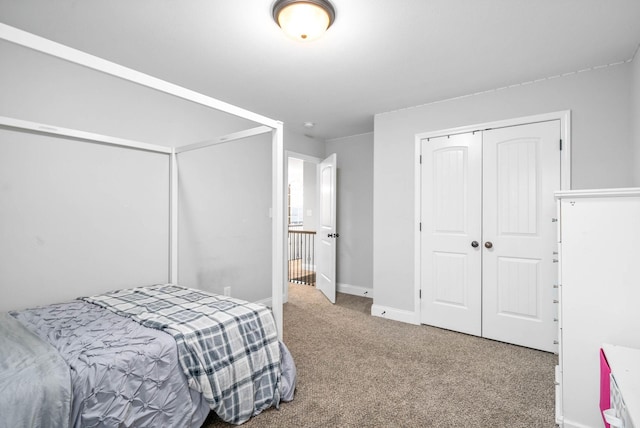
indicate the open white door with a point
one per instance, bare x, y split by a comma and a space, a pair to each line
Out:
326, 261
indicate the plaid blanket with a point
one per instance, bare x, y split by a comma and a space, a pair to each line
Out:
228, 348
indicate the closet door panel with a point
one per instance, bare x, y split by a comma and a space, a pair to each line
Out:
518, 287
451, 201
516, 184
521, 170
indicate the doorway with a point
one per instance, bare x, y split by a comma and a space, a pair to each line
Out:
302, 222
311, 237
488, 240
301, 196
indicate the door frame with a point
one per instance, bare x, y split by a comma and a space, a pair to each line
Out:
307, 158
565, 175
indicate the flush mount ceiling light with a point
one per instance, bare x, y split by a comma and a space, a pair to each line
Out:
304, 20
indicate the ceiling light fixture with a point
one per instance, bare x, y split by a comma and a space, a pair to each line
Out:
304, 20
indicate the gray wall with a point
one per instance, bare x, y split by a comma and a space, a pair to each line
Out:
635, 117
601, 155
354, 212
41, 88
310, 195
303, 144
225, 228
78, 219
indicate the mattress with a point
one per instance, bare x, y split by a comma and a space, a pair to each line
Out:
127, 365
228, 348
122, 373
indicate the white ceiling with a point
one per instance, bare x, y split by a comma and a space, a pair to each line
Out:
378, 56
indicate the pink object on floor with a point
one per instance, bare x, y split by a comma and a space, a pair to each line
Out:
605, 380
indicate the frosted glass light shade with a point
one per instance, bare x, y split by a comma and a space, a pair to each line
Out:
303, 20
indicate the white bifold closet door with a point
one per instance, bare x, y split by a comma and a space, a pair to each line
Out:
488, 237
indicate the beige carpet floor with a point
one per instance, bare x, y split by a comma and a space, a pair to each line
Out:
355, 370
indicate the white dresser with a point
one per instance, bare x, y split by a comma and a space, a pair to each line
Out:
598, 293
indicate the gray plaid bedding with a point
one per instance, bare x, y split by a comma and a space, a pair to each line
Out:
228, 348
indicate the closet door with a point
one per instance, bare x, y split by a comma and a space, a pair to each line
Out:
488, 239
451, 232
521, 170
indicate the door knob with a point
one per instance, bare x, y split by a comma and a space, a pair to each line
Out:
488, 244
475, 244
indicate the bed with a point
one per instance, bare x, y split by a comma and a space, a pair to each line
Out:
87, 212
97, 193
161, 355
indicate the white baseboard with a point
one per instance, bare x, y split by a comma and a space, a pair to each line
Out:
571, 424
266, 302
409, 317
355, 290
